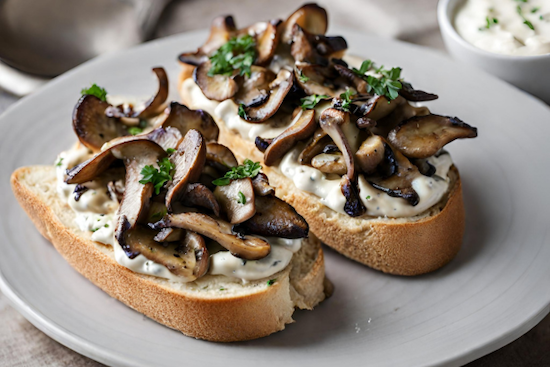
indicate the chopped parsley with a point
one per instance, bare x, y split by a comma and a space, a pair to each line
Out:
248, 169
368, 197
270, 282
525, 21
95, 90
242, 112
59, 162
346, 99
134, 130
389, 82
170, 150
158, 177
310, 102
241, 198
522, 1
106, 226
490, 22
303, 78
535, 9
222, 288
237, 54
158, 215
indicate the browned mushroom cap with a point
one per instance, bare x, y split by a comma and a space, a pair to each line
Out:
197, 194
316, 79
423, 136
378, 107
262, 144
92, 126
315, 146
155, 105
397, 182
217, 87
354, 206
261, 185
237, 200
403, 112
279, 88
358, 83
245, 247
254, 90
414, 95
93, 167
303, 126
185, 119
267, 37
188, 161
167, 138
187, 257
330, 163
220, 157
169, 235
310, 17
332, 121
315, 49
221, 30
136, 155
370, 154
275, 218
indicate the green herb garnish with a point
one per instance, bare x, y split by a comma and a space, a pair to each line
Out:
525, 21
241, 199
270, 282
365, 66
95, 90
242, 112
158, 216
170, 150
346, 99
222, 289
310, 102
388, 84
237, 54
535, 9
58, 163
158, 177
106, 226
248, 169
303, 78
368, 197
490, 22
134, 130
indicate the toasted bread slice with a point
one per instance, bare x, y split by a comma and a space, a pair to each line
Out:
401, 246
214, 307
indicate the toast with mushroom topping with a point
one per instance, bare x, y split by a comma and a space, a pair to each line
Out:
163, 218
343, 141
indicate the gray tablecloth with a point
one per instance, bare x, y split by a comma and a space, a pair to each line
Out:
21, 344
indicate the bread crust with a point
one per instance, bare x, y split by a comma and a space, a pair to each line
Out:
223, 318
411, 246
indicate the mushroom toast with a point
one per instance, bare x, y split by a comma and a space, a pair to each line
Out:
345, 141
150, 208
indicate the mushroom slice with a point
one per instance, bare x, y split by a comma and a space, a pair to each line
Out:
261, 185
279, 88
370, 154
253, 90
359, 83
378, 107
303, 126
188, 161
217, 87
245, 247
315, 79
221, 30
315, 49
330, 163
424, 167
262, 144
185, 119
197, 194
332, 121
398, 184
92, 126
424, 136
167, 138
266, 43
414, 95
169, 235
220, 157
310, 17
155, 105
187, 257
93, 167
354, 205
136, 155
315, 146
237, 200
403, 112
275, 218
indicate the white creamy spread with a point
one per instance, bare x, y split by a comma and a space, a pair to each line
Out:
429, 189
95, 212
506, 26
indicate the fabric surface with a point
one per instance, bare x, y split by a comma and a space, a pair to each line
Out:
21, 344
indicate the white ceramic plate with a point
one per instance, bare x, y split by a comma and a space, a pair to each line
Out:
494, 291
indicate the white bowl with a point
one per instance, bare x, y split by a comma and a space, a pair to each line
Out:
530, 73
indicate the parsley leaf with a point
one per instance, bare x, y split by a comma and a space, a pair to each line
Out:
368, 197
535, 9
95, 90
303, 78
365, 66
525, 20
389, 83
158, 177
248, 169
241, 199
134, 130
59, 162
346, 99
170, 150
310, 102
270, 282
242, 112
237, 54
